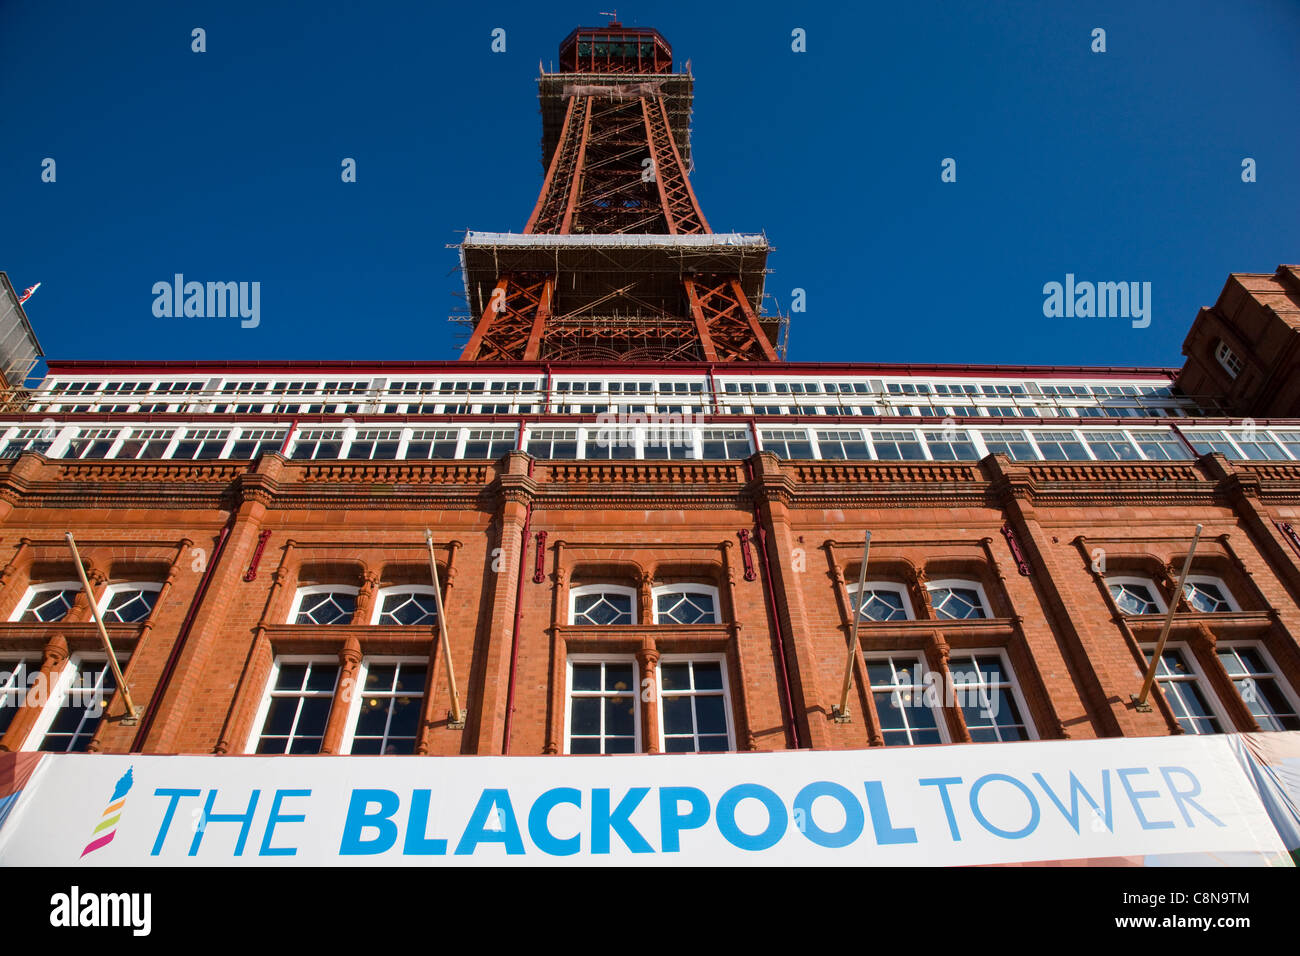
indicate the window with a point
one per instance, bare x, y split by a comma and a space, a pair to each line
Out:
1162, 446
375, 443
385, 715
1208, 595
957, 600
77, 703
1207, 442
1256, 678
1012, 444
986, 691
1256, 446
1136, 596
410, 604
610, 442
145, 444
15, 673
295, 710
1060, 446
433, 443
842, 445
954, 445
897, 446
201, 443
787, 443
694, 709
91, 443
1228, 359
253, 442
128, 603
725, 443
326, 604
553, 443
603, 712
47, 603
884, 602
28, 439
1110, 446
899, 693
490, 443
317, 443
602, 604
1180, 680
668, 443
686, 604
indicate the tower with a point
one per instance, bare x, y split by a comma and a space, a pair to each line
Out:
617, 261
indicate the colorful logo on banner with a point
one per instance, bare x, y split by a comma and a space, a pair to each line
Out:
112, 813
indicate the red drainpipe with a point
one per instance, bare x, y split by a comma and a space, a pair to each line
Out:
771, 602
519, 613
146, 722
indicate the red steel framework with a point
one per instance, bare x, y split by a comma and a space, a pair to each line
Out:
617, 169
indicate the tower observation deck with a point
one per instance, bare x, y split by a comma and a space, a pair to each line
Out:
617, 261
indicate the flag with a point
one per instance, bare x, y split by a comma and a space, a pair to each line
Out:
27, 293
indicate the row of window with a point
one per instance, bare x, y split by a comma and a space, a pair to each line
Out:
674, 441
317, 396
608, 604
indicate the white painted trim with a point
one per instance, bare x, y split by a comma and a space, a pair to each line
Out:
585, 589
893, 588
708, 589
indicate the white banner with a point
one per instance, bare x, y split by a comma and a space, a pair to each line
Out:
1167, 800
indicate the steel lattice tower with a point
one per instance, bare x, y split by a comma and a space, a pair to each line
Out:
617, 261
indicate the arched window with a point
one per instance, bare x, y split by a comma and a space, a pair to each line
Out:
128, 603
324, 604
686, 604
884, 601
958, 599
1228, 359
1136, 595
46, 602
405, 604
1208, 594
602, 604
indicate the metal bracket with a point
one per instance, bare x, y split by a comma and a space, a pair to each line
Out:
133, 718
841, 718
456, 724
1142, 707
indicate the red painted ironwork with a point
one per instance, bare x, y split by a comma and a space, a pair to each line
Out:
746, 558
1013, 542
251, 573
617, 167
539, 569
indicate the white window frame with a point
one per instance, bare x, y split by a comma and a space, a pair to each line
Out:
634, 690
708, 589
892, 587
382, 593
968, 584
58, 695
1228, 360
923, 667
15, 670
114, 589
268, 690
1147, 583
1199, 676
1013, 679
726, 695
309, 589
585, 589
1216, 582
34, 589
1279, 677
354, 706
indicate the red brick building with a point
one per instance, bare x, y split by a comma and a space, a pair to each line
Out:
647, 526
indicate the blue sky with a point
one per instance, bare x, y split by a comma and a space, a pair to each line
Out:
224, 165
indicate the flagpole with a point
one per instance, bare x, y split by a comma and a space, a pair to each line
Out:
842, 713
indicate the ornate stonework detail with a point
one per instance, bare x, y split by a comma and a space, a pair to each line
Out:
251, 573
